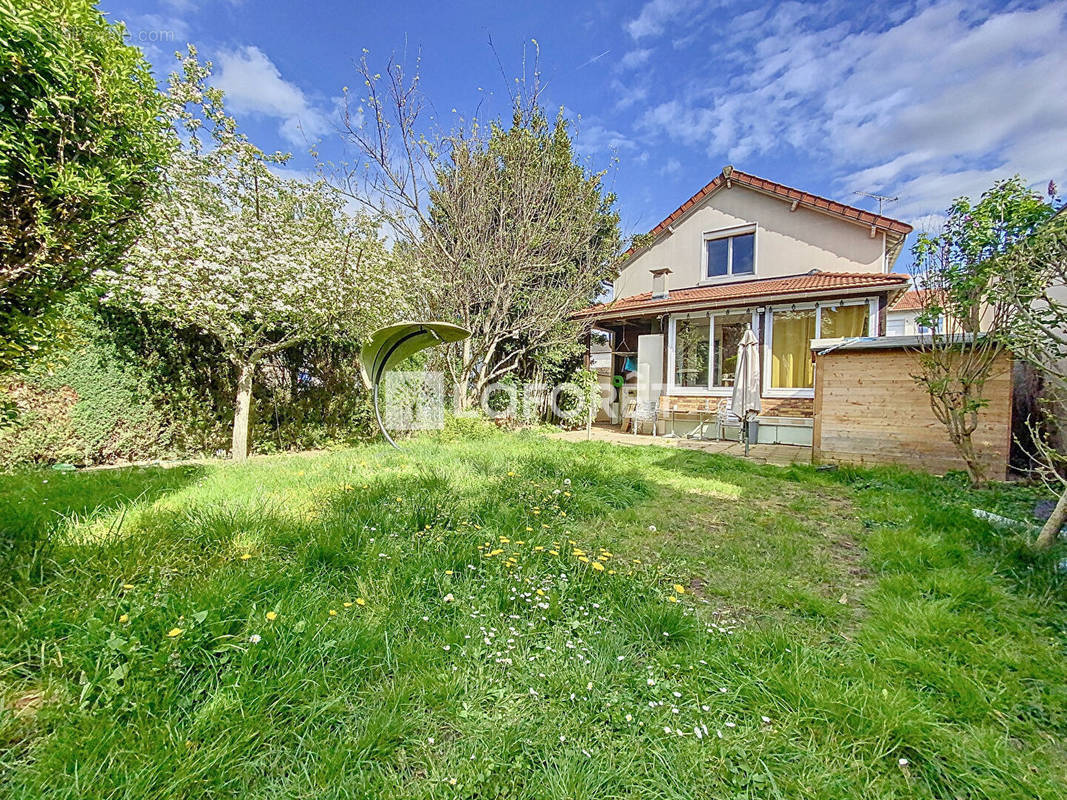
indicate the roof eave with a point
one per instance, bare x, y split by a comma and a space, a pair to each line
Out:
757, 300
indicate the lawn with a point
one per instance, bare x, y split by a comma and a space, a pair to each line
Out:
509, 615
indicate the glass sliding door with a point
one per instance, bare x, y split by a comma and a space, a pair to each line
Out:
791, 334
728, 330
691, 337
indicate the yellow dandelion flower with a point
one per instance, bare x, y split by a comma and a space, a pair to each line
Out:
505, 539
360, 601
400, 499
127, 586
583, 559
673, 598
245, 556
578, 552
520, 541
333, 613
598, 566
679, 588
174, 633
124, 618
271, 616
529, 529
448, 572
554, 552
347, 604
541, 592
511, 474
611, 572
539, 548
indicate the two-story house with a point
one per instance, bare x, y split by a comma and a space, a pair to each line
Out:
748, 253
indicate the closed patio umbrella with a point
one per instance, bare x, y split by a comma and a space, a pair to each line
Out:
746, 400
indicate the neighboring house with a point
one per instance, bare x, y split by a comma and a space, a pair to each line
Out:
745, 252
901, 317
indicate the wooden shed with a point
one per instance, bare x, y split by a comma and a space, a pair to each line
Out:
870, 410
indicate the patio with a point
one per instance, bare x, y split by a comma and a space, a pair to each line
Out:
780, 454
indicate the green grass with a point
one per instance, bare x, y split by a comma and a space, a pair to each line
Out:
831, 624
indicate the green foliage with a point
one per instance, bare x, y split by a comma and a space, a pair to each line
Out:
961, 275
130, 387
828, 626
959, 265
253, 261
83, 405
81, 143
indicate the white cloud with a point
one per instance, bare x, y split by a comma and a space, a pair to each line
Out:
635, 58
672, 167
593, 138
628, 95
931, 107
254, 85
655, 15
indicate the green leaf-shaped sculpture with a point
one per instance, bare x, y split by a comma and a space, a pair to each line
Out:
390, 345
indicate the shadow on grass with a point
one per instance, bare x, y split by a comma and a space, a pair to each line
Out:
35, 504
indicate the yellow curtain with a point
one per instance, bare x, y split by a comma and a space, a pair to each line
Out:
844, 321
791, 335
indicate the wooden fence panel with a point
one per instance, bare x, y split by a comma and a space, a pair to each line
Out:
869, 410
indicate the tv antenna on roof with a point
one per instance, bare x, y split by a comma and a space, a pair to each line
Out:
881, 198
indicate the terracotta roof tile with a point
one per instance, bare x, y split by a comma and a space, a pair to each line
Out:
909, 301
732, 175
811, 284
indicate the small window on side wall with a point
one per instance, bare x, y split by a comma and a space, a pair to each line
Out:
730, 255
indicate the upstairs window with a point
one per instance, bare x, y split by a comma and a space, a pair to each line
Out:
732, 254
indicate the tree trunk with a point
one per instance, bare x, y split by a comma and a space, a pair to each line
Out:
241, 412
1051, 530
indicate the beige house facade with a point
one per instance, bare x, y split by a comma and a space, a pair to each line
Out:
745, 253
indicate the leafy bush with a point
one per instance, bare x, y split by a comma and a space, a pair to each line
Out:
81, 143
127, 387
89, 408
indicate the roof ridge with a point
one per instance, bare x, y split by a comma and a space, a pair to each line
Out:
814, 201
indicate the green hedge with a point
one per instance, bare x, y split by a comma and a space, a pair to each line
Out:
122, 388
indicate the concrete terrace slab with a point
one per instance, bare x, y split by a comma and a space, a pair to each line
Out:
780, 454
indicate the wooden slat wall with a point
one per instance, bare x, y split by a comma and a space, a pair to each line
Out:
869, 410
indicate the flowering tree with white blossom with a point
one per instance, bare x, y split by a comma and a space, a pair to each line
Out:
256, 261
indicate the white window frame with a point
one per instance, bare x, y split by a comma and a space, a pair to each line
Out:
729, 233
768, 337
707, 390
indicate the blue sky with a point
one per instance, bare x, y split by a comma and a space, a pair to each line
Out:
920, 100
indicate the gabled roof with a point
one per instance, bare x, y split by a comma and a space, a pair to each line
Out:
809, 286
909, 301
896, 229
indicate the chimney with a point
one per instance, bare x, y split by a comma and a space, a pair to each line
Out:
659, 283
